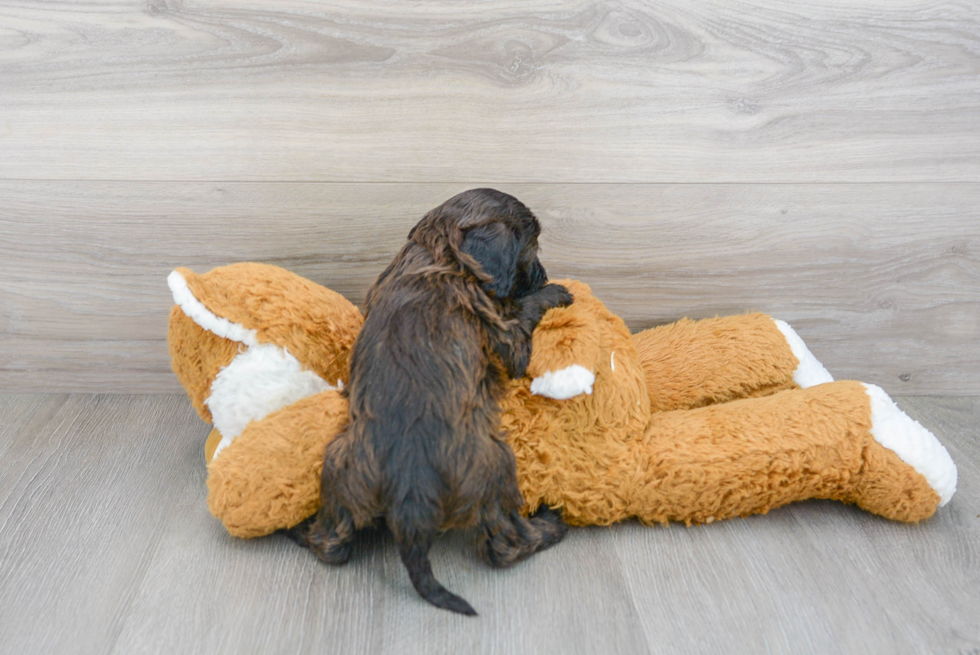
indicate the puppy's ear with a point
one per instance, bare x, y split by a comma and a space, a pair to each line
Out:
495, 249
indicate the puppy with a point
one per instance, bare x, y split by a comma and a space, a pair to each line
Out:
444, 325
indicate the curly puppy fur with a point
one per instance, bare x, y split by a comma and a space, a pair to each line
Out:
445, 323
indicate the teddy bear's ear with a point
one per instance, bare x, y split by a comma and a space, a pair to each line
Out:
565, 347
253, 304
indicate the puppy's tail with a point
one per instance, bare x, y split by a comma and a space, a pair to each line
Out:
415, 557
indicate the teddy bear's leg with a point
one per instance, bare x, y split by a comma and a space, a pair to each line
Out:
899, 438
696, 363
844, 440
269, 477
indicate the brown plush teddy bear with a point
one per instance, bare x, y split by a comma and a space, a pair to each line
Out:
694, 421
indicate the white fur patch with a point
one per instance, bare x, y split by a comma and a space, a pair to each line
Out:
810, 371
914, 444
256, 383
203, 316
564, 384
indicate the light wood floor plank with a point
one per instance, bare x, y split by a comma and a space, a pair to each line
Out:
570, 599
882, 281
106, 545
25, 413
579, 91
820, 577
87, 486
207, 592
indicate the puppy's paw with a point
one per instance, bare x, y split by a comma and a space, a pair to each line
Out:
520, 537
331, 551
300, 533
549, 525
555, 295
331, 543
502, 550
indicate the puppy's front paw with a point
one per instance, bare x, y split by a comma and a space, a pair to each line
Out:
555, 295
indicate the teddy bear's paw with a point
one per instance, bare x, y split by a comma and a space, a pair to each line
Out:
913, 443
810, 371
564, 384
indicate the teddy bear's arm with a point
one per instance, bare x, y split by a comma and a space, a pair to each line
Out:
691, 364
564, 347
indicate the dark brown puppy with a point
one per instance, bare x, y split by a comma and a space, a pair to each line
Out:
449, 318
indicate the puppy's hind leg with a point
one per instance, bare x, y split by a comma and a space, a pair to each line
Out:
300, 532
330, 533
513, 538
329, 537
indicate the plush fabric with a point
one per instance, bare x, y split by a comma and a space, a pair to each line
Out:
693, 422
690, 364
755, 454
263, 303
269, 477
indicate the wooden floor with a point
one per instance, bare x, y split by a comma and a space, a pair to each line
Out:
107, 546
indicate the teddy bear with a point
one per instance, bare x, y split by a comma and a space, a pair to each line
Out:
692, 422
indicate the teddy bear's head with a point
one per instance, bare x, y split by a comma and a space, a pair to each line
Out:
248, 339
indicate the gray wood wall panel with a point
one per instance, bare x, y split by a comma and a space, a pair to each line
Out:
882, 281
816, 160
580, 91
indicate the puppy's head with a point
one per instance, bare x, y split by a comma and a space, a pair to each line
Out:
491, 235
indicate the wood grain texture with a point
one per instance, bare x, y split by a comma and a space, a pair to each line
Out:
820, 577
581, 91
106, 546
882, 281
88, 484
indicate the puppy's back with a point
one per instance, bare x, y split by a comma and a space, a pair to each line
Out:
423, 397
